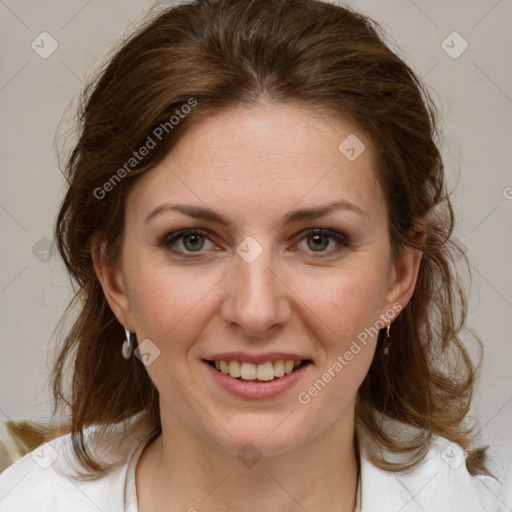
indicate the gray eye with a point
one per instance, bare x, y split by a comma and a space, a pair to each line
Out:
319, 242
196, 242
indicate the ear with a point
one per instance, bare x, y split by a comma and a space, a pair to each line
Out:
112, 281
405, 268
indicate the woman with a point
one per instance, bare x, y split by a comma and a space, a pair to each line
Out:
268, 317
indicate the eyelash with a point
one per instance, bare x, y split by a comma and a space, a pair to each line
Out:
171, 238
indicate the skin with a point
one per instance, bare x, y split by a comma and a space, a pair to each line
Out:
253, 165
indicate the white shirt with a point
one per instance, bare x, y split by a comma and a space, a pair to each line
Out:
441, 483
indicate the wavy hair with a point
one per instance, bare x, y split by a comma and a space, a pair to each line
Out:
232, 52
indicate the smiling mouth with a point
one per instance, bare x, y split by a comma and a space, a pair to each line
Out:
262, 372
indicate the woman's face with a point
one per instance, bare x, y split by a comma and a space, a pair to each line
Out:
282, 277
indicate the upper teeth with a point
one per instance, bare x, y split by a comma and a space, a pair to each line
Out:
263, 371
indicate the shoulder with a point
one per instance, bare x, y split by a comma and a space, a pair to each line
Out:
453, 483
42, 481
499, 463
441, 483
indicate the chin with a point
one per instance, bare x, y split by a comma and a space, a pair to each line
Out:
262, 436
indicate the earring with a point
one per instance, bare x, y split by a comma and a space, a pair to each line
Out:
387, 340
127, 344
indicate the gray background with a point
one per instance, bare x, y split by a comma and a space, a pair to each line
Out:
473, 91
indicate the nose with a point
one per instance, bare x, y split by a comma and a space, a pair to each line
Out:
257, 298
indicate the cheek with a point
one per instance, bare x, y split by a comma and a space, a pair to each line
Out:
169, 305
343, 311
343, 301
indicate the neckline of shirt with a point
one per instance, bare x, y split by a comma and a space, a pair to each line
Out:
130, 489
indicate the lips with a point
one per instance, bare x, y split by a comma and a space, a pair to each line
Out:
255, 389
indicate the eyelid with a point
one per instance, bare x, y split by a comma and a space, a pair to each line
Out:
169, 238
340, 238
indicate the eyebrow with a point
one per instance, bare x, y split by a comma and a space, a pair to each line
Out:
199, 212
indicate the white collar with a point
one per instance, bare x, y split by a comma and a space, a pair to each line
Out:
439, 483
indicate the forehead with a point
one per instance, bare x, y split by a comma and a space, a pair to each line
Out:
280, 155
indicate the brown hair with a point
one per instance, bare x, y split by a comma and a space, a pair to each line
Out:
217, 54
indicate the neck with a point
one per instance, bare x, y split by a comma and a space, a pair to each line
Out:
181, 471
